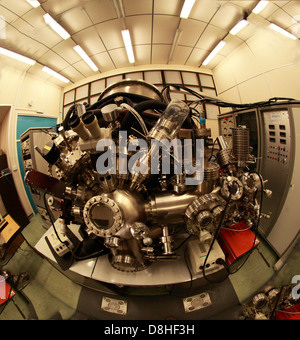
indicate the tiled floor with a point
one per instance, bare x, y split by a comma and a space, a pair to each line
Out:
53, 295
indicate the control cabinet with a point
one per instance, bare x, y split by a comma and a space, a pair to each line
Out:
276, 160
33, 160
274, 139
226, 123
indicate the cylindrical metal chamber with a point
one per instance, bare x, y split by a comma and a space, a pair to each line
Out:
240, 144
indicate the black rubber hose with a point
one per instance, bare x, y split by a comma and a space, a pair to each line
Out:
65, 123
129, 118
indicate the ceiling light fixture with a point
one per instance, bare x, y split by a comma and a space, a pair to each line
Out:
177, 37
238, 27
214, 52
260, 6
186, 8
85, 57
55, 74
128, 45
17, 56
282, 31
33, 3
56, 26
119, 8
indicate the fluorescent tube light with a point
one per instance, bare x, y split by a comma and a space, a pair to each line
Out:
85, 57
33, 3
282, 31
128, 45
215, 51
55, 74
177, 37
17, 56
260, 6
56, 26
239, 26
186, 8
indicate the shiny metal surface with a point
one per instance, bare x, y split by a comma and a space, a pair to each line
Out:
168, 208
139, 87
119, 189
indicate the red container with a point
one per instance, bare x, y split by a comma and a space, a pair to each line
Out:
236, 241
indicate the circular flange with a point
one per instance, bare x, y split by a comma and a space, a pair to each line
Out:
127, 263
102, 216
237, 191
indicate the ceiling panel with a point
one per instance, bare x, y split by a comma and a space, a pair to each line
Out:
53, 60
22, 44
292, 7
75, 19
66, 51
281, 3
196, 57
245, 4
110, 33
247, 31
232, 42
282, 18
57, 7
103, 61
181, 55
204, 10
191, 31
210, 37
137, 7
8, 15
95, 26
99, 10
227, 15
18, 65
34, 17
160, 54
140, 29
89, 40
216, 60
72, 74
269, 10
82, 67
19, 7
168, 7
119, 57
142, 54
40, 33
164, 28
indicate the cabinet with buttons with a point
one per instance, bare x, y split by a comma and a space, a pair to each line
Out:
277, 160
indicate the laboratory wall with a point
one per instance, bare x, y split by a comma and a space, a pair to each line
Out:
25, 91
266, 65
22, 93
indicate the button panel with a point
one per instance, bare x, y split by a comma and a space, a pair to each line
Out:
277, 137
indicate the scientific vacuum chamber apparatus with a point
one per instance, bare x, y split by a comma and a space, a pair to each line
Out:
152, 211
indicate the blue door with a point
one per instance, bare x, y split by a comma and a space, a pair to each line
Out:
24, 123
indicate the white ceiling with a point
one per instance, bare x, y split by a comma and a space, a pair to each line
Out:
95, 26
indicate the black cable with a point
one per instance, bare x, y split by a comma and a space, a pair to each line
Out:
188, 267
4, 264
217, 232
212, 243
76, 257
50, 216
217, 102
255, 229
183, 242
276, 303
